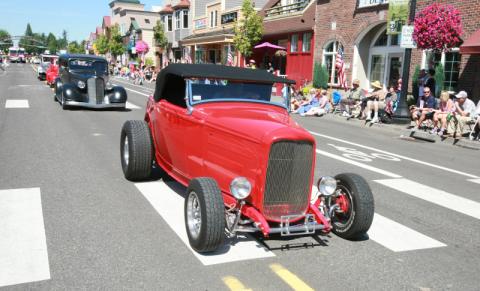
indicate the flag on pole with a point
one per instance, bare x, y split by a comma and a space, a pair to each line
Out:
340, 66
230, 56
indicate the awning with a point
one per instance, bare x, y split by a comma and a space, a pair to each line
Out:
268, 45
472, 44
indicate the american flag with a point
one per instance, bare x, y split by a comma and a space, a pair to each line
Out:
186, 55
340, 66
230, 56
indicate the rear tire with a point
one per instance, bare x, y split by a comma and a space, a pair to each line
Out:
136, 150
354, 223
204, 215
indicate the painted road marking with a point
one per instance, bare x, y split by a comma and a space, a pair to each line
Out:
358, 164
288, 277
128, 89
475, 181
397, 237
234, 284
129, 105
11, 103
23, 246
436, 196
398, 156
169, 204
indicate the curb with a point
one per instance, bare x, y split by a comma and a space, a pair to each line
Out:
433, 138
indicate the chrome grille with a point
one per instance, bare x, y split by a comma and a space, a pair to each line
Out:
287, 186
96, 90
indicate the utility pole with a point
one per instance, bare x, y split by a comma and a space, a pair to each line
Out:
402, 110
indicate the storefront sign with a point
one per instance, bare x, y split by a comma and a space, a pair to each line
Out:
397, 16
229, 17
366, 3
407, 37
200, 23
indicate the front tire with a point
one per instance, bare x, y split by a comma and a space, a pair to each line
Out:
356, 207
136, 150
204, 215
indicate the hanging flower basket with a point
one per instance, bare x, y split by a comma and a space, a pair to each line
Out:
280, 53
438, 27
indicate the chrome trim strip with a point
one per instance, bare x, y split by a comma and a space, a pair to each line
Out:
89, 105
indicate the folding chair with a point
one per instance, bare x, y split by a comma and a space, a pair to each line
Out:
472, 125
336, 98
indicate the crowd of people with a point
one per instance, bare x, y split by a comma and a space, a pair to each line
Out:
139, 74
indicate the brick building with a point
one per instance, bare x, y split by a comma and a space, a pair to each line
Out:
359, 27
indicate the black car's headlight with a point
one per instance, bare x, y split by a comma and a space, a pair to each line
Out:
109, 86
81, 84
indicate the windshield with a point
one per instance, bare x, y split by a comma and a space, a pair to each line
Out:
48, 59
83, 64
208, 90
13, 52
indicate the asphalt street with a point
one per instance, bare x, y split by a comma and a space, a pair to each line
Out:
73, 222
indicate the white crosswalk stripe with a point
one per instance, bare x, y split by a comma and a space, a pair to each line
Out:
16, 103
435, 196
23, 246
169, 204
129, 105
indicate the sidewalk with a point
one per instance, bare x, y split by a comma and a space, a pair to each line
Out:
403, 128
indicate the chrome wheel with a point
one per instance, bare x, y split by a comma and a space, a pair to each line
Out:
194, 215
126, 153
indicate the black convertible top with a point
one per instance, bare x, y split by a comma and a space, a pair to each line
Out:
211, 71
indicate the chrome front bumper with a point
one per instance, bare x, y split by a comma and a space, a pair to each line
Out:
92, 105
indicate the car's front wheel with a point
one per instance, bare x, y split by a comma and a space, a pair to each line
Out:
136, 150
354, 216
204, 215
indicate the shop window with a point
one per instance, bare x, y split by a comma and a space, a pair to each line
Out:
169, 23
294, 43
306, 42
177, 19
451, 65
329, 57
377, 68
382, 40
185, 18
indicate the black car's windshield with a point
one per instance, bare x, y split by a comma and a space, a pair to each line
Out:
224, 90
91, 65
48, 59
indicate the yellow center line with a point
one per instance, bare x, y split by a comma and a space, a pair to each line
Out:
234, 284
290, 278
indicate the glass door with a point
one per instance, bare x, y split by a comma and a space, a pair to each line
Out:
394, 69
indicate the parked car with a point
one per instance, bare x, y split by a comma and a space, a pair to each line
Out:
83, 80
45, 62
52, 74
248, 166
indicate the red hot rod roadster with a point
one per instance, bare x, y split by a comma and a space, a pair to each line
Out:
247, 165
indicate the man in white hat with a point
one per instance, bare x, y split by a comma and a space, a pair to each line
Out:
465, 110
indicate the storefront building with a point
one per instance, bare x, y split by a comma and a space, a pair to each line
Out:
289, 24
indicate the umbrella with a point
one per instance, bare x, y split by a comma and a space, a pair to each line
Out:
268, 45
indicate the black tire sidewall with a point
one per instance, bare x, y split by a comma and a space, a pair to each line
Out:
140, 150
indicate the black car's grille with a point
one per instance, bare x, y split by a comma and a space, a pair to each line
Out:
287, 186
96, 90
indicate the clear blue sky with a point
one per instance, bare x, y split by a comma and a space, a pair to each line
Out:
77, 17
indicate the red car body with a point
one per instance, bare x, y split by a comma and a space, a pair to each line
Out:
52, 74
195, 130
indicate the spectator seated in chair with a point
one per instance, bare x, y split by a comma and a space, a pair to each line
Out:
308, 103
424, 110
390, 102
323, 107
475, 134
445, 108
464, 113
375, 101
352, 99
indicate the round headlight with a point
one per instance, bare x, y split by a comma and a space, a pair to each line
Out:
81, 84
327, 185
109, 86
240, 188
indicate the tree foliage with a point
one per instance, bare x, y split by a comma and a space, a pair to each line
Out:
115, 44
102, 44
52, 43
439, 79
438, 27
75, 48
159, 35
320, 76
62, 43
5, 41
248, 30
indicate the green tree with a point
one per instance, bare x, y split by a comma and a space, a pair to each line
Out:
52, 43
102, 44
320, 76
5, 40
63, 42
248, 30
26, 40
159, 35
115, 44
75, 48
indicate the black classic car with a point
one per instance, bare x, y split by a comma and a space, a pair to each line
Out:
83, 80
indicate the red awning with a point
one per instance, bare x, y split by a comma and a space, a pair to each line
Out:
472, 44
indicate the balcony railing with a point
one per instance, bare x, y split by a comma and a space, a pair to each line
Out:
287, 9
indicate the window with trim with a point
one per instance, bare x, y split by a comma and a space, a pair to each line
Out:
451, 65
329, 58
177, 19
147, 21
294, 43
185, 18
169, 22
213, 18
306, 42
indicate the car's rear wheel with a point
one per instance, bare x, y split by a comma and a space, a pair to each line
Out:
136, 150
204, 215
356, 207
